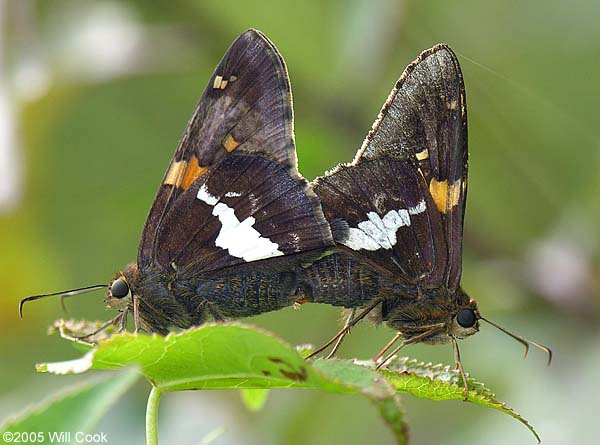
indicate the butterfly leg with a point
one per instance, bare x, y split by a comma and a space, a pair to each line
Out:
341, 339
200, 318
414, 339
204, 309
123, 320
458, 365
215, 314
347, 328
136, 314
100, 329
387, 346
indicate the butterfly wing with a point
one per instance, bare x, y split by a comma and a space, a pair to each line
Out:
248, 208
405, 192
392, 221
246, 106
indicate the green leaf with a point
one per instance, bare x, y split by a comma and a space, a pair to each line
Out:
254, 399
362, 376
77, 408
213, 356
236, 356
439, 382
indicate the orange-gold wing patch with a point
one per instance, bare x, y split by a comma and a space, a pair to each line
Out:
445, 196
182, 174
230, 143
193, 171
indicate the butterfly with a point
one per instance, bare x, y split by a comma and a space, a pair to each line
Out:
233, 223
397, 215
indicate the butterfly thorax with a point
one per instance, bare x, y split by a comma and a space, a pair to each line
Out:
133, 298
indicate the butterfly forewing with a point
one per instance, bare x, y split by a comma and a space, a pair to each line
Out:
248, 208
245, 106
409, 177
425, 120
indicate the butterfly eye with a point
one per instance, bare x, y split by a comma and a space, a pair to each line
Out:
119, 288
466, 318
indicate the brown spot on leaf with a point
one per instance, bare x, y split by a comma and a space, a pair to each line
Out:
300, 375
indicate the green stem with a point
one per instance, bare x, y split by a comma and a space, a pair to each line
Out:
152, 416
391, 410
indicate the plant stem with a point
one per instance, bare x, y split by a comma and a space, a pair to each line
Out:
152, 416
390, 408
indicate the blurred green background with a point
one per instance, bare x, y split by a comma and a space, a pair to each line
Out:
93, 99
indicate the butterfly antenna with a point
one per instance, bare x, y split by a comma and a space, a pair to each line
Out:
524, 341
62, 295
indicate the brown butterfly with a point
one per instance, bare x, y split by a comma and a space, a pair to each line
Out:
397, 215
233, 223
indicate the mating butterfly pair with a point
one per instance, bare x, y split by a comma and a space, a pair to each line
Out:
235, 230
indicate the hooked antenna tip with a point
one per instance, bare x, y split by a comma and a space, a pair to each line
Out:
22, 301
62, 294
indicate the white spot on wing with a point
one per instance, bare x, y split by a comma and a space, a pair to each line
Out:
203, 195
239, 238
379, 202
419, 208
253, 202
379, 233
357, 240
233, 194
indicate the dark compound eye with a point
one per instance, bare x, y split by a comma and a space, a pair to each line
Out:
466, 318
119, 288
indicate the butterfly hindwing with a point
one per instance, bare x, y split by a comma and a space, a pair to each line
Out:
392, 220
416, 148
248, 208
247, 106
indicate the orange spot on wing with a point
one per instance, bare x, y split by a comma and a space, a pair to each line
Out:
454, 194
217, 82
445, 196
422, 155
175, 173
193, 172
230, 143
182, 174
220, 83
439, 193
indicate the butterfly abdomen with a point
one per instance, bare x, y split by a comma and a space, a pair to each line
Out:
339, 280
243, 294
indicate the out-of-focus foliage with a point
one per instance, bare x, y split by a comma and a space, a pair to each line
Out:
78, 409
94, 96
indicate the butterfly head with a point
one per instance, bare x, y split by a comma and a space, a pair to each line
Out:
466, 322
436, 317
465, 318
120, 289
